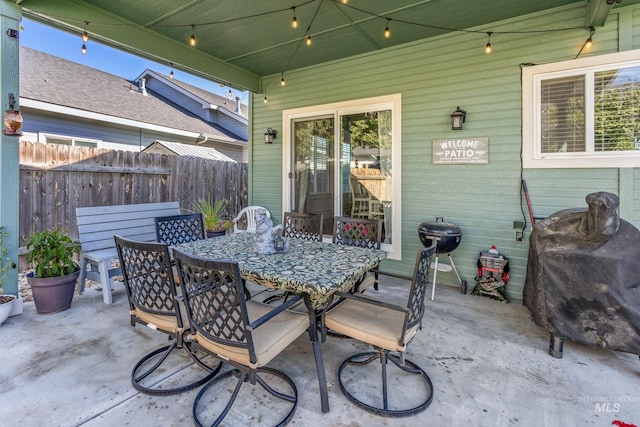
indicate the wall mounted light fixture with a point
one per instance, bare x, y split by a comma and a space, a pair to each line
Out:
270, 135
458, 117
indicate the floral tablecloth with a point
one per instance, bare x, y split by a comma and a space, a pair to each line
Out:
316, 269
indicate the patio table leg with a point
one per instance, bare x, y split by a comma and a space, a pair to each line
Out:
317, 354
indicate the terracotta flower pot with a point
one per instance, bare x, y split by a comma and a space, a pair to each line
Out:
53, 294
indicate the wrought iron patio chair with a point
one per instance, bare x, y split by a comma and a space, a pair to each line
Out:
176, 229
245, 221
301, 226
388, 328
363, 233
244, 334
153, 302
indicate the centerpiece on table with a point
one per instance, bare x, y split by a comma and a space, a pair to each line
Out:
213, 216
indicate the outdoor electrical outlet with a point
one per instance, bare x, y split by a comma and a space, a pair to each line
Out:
518, 230
519, 236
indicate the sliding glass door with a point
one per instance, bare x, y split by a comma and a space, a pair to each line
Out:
340, 162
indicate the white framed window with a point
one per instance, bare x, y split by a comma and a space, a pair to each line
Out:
68, 140
583, 113
333, 151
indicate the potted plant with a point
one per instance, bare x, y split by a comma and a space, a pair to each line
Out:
53, 280
6, 301
213, 215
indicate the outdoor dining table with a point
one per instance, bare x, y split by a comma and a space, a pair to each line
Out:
313, 270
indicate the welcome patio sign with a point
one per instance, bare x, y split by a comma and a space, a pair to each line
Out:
461, 151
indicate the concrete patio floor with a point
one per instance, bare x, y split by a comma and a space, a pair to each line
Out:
488, 362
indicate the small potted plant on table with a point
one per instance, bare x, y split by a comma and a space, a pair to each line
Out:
53, 280
213, 216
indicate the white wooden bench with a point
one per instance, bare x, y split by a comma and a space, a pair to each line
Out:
96, 228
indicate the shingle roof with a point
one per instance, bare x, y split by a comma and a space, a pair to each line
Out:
57, 81
212, 98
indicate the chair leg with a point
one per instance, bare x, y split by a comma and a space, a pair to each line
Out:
362, 359
244, 378
83, 275
138, 374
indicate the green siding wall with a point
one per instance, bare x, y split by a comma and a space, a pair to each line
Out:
434, 77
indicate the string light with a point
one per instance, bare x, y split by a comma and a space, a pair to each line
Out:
85, 38
589, 43
282, 82
171, 73
85, 35
265, 97
192, 39
488, 49
387, 32
230, 94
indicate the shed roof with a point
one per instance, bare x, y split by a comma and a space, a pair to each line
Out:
189, 150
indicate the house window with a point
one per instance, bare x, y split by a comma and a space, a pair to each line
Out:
340, 161
582, 113
68, 140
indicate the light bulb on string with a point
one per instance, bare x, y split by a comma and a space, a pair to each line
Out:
85, 38
345, 1
192, 39
282, 82
265, 97
294, 21
387, 31
309, 40
85, 35
589, 42
171, 73
487, 48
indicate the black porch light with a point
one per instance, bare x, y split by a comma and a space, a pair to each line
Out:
458, 117
270, 135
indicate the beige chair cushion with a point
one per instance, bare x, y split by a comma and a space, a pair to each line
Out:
165, 323
369, 323
268, 340
368, 281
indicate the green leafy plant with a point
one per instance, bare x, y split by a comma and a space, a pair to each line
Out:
213, 214
51, 252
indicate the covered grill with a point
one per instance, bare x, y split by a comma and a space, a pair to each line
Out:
447, 237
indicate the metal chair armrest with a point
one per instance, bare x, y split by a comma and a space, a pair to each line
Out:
273, 313
359, 297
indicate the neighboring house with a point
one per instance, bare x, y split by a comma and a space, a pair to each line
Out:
68, 103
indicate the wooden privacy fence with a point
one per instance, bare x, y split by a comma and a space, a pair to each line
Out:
56, 179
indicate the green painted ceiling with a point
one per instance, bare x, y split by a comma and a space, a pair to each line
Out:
239, 41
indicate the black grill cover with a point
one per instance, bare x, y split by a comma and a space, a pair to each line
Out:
583, 275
